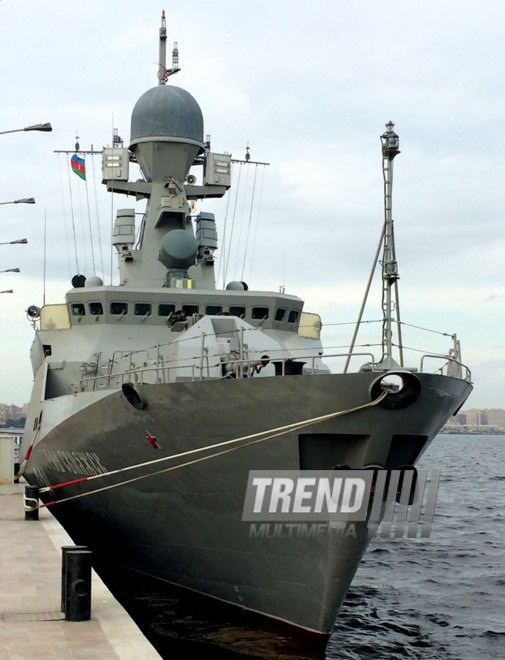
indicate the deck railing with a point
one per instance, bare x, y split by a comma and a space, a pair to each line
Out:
200, 368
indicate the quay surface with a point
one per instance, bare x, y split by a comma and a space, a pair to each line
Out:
31, 624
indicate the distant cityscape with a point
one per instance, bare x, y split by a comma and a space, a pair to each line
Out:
477, 420
474, 420
12, 416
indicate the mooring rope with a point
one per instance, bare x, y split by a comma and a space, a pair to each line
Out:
253, 438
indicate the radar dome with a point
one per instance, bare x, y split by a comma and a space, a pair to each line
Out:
165, 112
234, 285
94, 280
178, 249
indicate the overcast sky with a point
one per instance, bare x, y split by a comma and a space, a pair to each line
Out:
309, 86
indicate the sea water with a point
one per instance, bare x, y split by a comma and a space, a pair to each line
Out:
441, 597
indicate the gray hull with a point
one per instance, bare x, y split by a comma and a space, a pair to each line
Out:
184, 525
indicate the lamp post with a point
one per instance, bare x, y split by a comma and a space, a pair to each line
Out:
23, 241
45, 128
23, 200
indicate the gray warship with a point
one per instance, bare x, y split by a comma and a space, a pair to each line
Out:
153, 399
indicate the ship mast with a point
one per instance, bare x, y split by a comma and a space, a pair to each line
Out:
390, 143
163, 51
163, 72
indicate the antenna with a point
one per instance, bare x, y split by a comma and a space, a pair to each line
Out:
163, 72
117, 142
390, 143
162, 75
390, 276
175, 57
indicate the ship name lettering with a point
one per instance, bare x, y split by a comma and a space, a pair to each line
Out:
76, 462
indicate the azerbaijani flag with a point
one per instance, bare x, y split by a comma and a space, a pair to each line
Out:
78, 166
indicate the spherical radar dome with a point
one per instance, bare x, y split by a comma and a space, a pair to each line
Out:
178, 249
165, 112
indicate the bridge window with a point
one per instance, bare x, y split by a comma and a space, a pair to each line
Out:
165, 309
237, 311
190, 309
119, 308
293, 316
260, 312
95, 308
142, 309
78, 309
213, 310
280, 314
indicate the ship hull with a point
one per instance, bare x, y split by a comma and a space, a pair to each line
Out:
184, 525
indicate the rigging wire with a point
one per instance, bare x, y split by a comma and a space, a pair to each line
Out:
65, 216
256, 222
240, 222
249, 223
111, 232
100, 247
221, 261
73, 220
82, 223
92, 247
227, 261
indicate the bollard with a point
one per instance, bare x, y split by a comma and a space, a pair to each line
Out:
78, 585
31, 502
64, 550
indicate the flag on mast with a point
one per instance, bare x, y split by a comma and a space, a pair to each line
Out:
78, 166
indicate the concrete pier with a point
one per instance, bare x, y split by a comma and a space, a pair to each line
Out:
31, 622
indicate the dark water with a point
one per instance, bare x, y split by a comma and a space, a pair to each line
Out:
441, 597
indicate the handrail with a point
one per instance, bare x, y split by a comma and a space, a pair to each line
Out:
448, 360
200, 368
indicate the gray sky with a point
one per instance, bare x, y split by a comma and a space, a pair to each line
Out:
309, 86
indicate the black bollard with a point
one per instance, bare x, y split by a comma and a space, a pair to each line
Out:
78, 585
64, 550
31, 502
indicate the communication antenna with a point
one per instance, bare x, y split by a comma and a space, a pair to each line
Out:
163, 51
163, 72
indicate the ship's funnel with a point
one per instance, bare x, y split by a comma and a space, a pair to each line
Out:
166, 133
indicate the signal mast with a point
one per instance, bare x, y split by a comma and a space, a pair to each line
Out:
390, 300
390, 276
